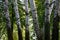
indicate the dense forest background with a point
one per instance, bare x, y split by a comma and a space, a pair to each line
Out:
29, 19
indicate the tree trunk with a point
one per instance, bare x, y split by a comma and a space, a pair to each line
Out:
35, 19
26, 21
59, 11
17, 20
55, 32
12, 18
47, 21
51, 6
8, 23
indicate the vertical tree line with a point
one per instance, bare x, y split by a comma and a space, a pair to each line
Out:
49, 5
47, 21
35, 19
55, 32
26, 20
8, 22
17, 20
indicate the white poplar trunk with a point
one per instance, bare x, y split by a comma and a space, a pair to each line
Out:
55, 31
8, 22
47, 21
26, 20
52, 5
35, 19
17, 20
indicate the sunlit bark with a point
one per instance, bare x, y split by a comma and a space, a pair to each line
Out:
18, 20
35, 19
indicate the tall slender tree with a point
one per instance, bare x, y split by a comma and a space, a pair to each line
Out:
27, 20
51, 6
8, 22
47, 21
35, 19
55, 32
12, 18
59, 11
17, 20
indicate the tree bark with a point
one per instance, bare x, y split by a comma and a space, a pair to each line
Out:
59, 11
47, 21
52, 5
8, 22
18, 20
35, 20
55, 32
26, 21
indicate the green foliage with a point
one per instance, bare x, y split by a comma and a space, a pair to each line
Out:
40, 11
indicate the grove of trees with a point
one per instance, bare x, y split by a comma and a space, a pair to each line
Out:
29, 19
